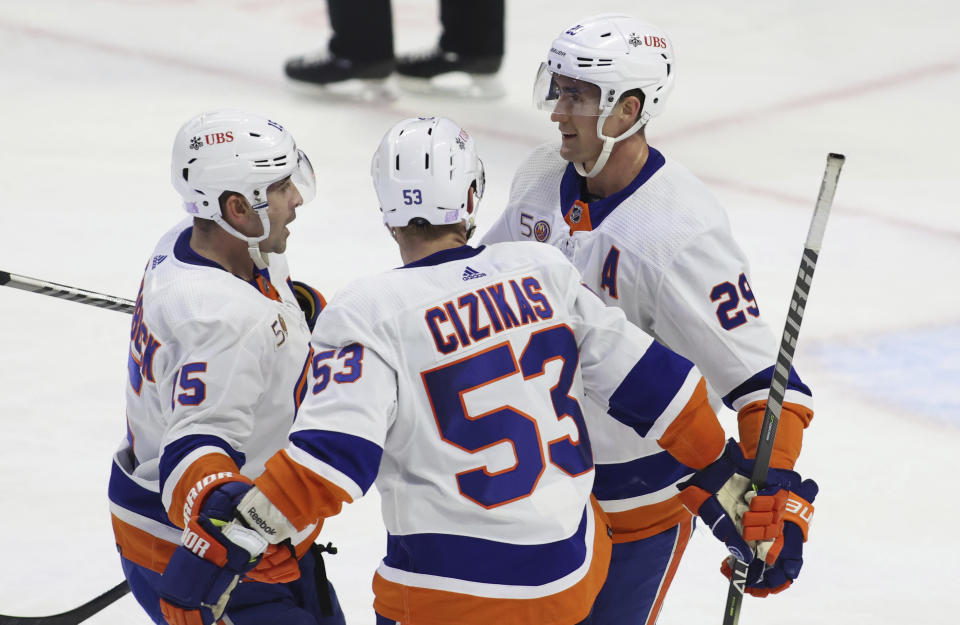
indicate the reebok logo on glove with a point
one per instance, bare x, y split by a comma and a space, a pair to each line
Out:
262, 524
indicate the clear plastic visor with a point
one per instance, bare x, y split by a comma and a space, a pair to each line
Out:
304, 178
481, 180
557, 93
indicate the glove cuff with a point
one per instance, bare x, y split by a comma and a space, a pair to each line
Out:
201, 490
799, 511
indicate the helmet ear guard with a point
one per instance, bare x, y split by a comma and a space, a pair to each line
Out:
428, 168
232, 150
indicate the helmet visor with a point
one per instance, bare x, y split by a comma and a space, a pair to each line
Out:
304, 178
565, 95
481, 179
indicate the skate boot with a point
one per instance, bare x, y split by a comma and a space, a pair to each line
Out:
439, 72
338, 76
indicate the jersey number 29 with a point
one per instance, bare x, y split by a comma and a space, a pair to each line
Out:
728, 310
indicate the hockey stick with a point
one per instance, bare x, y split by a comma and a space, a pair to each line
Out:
788, 343
73, 294
74, 616
88, 609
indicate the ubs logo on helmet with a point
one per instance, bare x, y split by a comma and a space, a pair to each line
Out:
211, 139
462, 139
573, 31
648, 40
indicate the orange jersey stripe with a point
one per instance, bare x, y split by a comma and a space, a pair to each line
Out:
786, 446
646, 521
411, 605
683, 537
300, 494
208, 464
695, 437
142, 547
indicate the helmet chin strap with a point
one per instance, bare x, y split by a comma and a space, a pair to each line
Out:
260, 259
608, 143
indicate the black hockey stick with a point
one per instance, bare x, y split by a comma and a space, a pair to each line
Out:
74, 616
788, 343
61, 291
88, 609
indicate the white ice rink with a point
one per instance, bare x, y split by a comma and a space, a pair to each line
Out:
92, 92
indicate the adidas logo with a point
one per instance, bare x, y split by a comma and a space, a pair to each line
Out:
157, 260
470, 273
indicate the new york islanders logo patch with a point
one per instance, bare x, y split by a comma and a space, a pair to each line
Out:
541, 231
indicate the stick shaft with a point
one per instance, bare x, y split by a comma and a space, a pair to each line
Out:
110, 302
62, 291
781, 372
74, 616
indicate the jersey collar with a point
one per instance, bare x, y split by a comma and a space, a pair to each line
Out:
446, 256
186, 254
582, 216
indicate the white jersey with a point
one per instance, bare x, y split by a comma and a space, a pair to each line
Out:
212, 364
662, 251
455, 384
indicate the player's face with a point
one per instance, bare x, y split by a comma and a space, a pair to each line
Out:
283, 198
578, 131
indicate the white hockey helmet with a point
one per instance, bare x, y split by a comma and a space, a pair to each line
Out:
231, 150
612, 54
425, 168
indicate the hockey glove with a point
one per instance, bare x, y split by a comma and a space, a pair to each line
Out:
310, 300
780, 565
217, 549
721, 495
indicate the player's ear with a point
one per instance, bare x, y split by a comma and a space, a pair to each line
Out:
630, 107
235, 209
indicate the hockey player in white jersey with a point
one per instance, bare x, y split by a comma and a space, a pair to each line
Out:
217, 342
649, 238
456, 384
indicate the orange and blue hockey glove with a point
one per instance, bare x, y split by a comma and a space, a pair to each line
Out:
218, 548
722, 496
778, 563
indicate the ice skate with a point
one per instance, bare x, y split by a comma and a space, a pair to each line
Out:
448, 73
336, 77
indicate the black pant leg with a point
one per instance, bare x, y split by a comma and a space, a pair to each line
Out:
362, 29
472, 27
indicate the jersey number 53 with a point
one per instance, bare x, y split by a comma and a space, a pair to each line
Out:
447, 384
